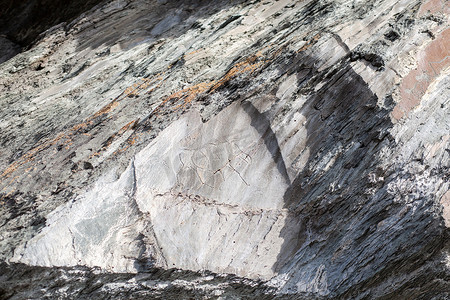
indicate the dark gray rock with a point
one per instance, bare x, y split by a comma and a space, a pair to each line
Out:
265, 149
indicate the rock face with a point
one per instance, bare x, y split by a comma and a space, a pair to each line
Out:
229, 149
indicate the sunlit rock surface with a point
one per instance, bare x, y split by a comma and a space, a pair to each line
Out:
228, 149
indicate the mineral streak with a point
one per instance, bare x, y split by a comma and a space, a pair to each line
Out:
229, 149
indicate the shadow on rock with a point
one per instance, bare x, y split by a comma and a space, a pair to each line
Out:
23, 21
333, 243
130, 23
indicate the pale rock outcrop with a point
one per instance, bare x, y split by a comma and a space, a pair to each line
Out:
291, 149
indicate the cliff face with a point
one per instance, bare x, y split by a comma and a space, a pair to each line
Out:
295, 149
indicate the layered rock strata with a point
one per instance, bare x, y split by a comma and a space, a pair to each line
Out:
301, 147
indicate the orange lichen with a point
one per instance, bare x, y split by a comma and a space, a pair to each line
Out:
81, 126
106, 109
133, 140
192, 53
309, 43
138, 87
188, 94
247, 66
175, 101
128, 126
119, 133
132, 90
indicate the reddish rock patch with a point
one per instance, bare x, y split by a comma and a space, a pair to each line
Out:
433, 6
430, 62
445, 202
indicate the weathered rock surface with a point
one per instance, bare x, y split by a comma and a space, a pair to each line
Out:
235, 149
